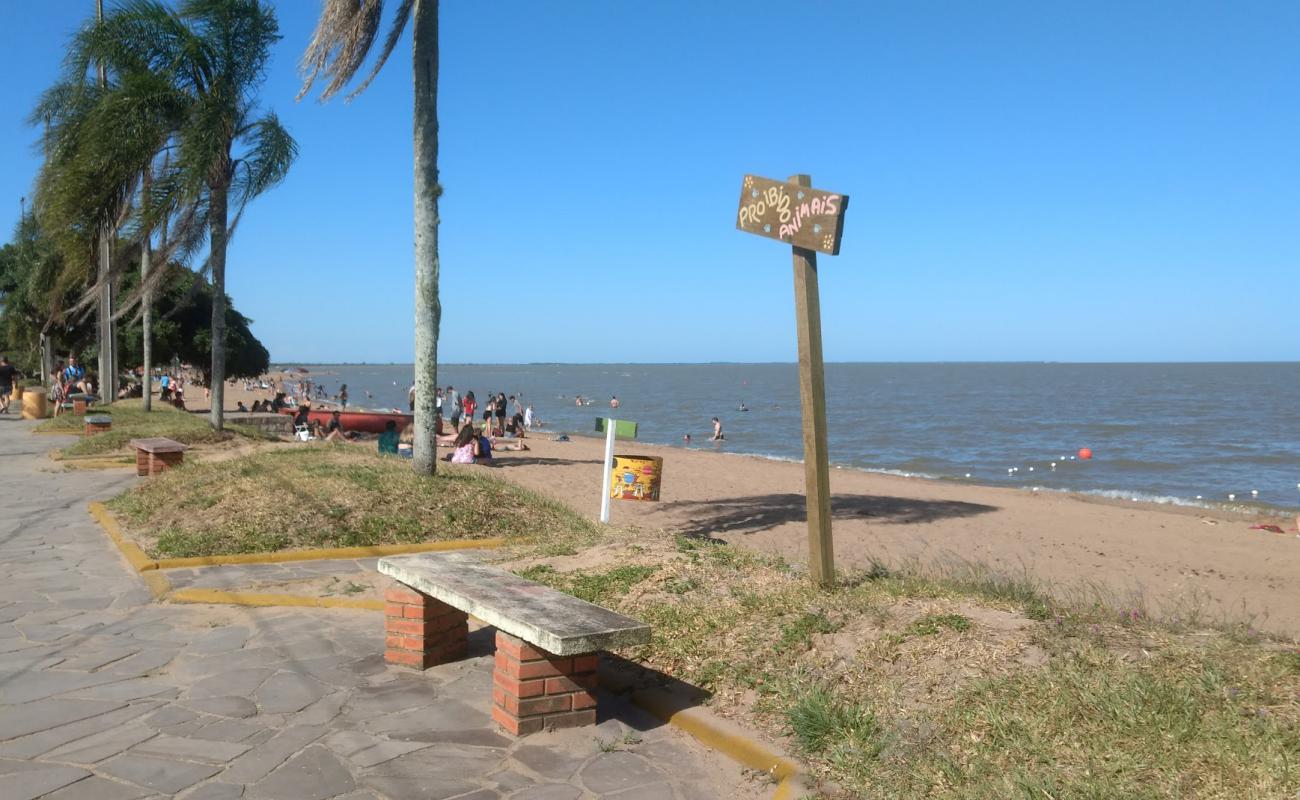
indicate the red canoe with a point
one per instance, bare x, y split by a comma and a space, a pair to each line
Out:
363, 421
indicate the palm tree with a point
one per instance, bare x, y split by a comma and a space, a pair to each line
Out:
344, 35
211, 55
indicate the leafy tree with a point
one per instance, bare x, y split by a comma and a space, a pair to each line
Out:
33, 294
344, 35
183, 329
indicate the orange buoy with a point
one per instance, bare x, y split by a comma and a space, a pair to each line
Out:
1085, 453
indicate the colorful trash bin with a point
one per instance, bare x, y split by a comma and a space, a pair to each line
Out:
636, 477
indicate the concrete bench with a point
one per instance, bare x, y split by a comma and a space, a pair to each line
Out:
156, 454
547, 642
98, 423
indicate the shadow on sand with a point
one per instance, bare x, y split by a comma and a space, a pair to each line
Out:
763, 512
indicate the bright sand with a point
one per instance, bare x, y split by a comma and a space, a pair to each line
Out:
1174, 558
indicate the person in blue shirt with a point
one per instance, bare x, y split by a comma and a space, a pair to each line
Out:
74, 371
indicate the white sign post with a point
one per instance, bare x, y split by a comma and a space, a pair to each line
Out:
607, 465
613, 428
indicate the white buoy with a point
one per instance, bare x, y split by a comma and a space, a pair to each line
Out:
1198, 497
1232, 497
1031, 469
1035, 490
967, 474
1053, 466
1071, 458
1254, 493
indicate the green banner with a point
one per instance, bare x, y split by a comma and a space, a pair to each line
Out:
623, 429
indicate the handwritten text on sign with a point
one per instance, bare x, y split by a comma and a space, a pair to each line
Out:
793, 214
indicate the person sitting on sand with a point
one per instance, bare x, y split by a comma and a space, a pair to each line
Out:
334, 430
241, 408
482, 447
717, 430
464, 446
516, 425
388, 439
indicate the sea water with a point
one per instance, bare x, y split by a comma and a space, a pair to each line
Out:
1158, 432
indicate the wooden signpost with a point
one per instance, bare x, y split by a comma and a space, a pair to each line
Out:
622, 429
811, 221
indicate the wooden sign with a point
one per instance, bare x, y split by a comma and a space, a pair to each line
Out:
623, 429
797, 215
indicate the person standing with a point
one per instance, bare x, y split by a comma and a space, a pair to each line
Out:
501, 410
471, 405
410, 397
8, 373
528, 417
452, 398
717, 430
343, 396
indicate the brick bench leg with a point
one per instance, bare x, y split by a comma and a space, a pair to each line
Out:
141, 463
162, 461
533, 690
422, 631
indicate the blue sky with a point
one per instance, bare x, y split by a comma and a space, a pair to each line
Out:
1028, 181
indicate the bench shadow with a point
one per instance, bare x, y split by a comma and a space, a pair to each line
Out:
620, 679
757, 513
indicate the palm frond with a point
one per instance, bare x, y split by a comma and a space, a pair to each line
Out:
342, 40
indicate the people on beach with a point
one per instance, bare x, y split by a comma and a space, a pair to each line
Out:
343, 396
388, 439
8, 373
241, 408
686, 438
613, 402
717, 430
334, 430
451, 398
471, 405
500, 414
464, 446
528, 417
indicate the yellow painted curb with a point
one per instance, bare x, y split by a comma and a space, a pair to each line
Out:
156, 581
327, 554
220, 597
95, 463
727, 739
57, 433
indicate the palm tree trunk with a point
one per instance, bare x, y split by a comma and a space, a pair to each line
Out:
428, 310
104, 329
146, 304
217, 210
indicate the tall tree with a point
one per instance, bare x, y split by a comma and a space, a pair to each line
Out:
213, 56
344, 35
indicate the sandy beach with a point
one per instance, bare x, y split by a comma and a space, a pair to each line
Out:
1173, 559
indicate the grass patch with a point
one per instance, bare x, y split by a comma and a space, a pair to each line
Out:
131, 421
1033, 698
319, 496
931, 624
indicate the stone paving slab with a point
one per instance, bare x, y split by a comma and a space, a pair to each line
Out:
105, 694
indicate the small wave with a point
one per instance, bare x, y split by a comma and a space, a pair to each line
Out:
1141, 497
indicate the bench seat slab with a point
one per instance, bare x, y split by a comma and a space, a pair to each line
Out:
557, 623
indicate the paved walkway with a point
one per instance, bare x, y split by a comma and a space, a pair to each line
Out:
105, 694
